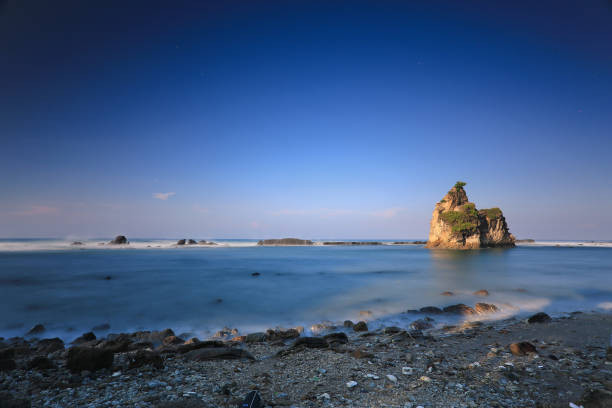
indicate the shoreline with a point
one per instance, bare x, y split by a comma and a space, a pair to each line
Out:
469, 364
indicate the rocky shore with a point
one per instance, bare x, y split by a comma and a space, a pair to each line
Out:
537, 362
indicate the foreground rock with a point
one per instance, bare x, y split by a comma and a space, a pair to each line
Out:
88, 358
285, 242
457, 224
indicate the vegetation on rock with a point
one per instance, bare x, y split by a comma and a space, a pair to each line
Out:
459, 185
492, 213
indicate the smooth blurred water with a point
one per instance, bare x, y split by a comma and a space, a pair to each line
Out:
180, 288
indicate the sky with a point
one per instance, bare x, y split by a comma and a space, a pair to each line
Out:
342, 119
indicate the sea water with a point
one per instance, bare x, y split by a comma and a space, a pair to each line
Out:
152, 284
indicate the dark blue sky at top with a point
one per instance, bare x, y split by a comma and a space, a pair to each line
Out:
312, 119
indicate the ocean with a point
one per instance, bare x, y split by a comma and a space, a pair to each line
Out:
195, 290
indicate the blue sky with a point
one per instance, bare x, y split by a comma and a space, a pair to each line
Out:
308, 119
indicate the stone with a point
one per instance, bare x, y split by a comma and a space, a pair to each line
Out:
360, 326
348, 323
88, 358
119, 240
484, 308
7, 364
481, 292
282, 334
38, 329
310, 342
170, 340
392, 378
430, 310
285, 242
522, 348
218, 353
48, 346
459, 309
361, 354
351, 384
597, 398
457, 224
337, 338
539, 318
195, 344
421, 324
40, 363
447, 293
191, 242
180, 242
76, 243
257, 337
145, 357
84, 338
255, 274
391, 330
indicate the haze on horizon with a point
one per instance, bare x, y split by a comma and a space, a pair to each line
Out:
247, 119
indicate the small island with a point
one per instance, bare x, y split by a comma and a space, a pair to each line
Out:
285, 242
456, 223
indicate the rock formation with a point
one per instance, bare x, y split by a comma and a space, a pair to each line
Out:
457, 224
119, 240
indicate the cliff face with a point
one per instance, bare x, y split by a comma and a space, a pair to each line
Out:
457, 224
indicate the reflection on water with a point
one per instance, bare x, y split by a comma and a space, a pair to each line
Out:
154, 289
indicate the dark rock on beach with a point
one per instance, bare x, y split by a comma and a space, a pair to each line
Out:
119, 240
89, 336
285, 241
47, 346
459, 309
430, 310
145, 357
310, 342
88, 358
220, 353
38, 329
360, 326
522, 348
41, 363
539, 318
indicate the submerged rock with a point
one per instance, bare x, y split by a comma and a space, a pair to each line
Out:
484, 308
481, 292
459, 309
430, 310
539, 318
457, 224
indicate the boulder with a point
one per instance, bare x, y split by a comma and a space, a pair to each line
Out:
348, 323
195, 344
47, 346
421, 324
40, 363
310, 342
447, 293
481, 292
88, 358
218, 353
430, 310
459, 309
84, 338
484, 308
38, 329
457, 224
282, 334
191, 242
145, 357
361, 354
119, 240
285, 242
522, 348
360, 326
76, 243
337, 338
7, 364
170, 340
226, 332
539, 318
256, 337
180, 242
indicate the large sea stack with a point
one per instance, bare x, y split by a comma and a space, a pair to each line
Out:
457, 224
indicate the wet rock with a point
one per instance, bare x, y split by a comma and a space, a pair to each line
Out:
191, 242
484, 308
40, 363
7, 364
38, 329
348, 323
310, 342
430, 310
144, 358
459, 309
220, 353
421, 324
180, 242
360, 326
361, 354
88, 358
282, 334
195, 344
447, 293
84, 338
170, 340
391, 330
258, 337
522, 348
334, 339
255, 274
539, 318
120, 344
119, 240
481, 292
101, 327
76, 243
597, 399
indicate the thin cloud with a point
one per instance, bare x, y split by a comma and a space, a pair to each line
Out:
36, 210
331, 212
388, 212
163, 196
